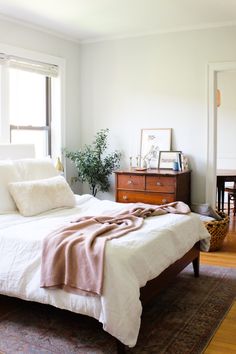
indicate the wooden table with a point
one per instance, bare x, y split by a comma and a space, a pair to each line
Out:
222, 177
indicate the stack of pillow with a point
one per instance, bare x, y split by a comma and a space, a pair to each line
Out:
32, 186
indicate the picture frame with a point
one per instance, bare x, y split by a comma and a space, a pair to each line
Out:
153, 141
167, 159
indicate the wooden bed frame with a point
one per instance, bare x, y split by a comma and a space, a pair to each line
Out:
156, 285
153, 287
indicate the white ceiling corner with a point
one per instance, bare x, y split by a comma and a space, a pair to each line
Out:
94, 20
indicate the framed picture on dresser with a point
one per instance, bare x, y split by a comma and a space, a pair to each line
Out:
152, 142
168, 158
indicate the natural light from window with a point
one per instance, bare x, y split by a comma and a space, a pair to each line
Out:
32, 101
27, 109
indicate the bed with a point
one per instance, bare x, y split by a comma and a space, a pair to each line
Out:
136, 265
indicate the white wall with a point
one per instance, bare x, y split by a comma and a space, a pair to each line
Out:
226, 121
157, 81
17, 35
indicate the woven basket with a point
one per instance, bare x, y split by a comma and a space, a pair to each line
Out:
218, 230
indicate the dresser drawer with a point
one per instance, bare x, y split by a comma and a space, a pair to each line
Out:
130, 182
161, 184
144, 197
153, 186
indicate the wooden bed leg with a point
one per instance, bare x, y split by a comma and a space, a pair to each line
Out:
196, 263
120, 347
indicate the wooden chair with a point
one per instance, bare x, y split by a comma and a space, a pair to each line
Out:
231, 197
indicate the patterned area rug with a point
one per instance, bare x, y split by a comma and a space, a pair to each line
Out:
181, 320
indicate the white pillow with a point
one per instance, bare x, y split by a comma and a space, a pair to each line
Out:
8, 173
31, 169
35, 197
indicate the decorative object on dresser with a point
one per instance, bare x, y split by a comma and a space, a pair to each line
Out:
153, 186
168, 158
184, 162
152, 141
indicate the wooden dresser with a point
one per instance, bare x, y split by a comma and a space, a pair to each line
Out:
153, 186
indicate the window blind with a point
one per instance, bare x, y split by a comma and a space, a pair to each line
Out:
38, 67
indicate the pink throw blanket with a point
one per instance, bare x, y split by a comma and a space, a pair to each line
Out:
73, 255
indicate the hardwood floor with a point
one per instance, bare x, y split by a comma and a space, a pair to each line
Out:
224, 341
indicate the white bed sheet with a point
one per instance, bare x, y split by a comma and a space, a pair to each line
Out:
130, 261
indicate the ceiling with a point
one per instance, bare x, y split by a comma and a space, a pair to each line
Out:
94, 20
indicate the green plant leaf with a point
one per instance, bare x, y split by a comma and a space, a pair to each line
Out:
93, 166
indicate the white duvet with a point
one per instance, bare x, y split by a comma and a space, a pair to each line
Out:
130, 261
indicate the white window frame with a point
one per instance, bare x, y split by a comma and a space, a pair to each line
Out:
58, 123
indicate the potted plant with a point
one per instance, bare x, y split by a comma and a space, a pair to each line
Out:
94, 167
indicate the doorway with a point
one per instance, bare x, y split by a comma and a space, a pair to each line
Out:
213, 70
226, 121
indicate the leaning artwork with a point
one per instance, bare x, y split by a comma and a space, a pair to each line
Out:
153, 141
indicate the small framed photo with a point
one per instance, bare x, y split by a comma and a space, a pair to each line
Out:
167, 159
152, 142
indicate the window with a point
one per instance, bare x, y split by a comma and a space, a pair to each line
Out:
27, 110
30, 110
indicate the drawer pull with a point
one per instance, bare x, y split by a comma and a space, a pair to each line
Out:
125, 197
164, 201
158, 183
130, 182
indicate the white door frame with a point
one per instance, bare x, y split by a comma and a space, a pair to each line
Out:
213, 69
